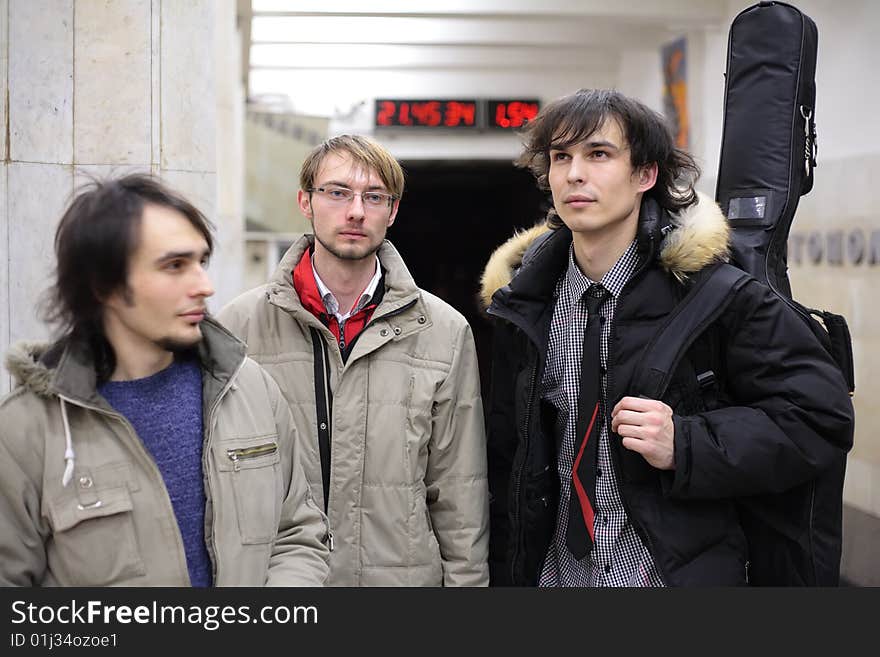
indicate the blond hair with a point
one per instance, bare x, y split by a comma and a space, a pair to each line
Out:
363, 151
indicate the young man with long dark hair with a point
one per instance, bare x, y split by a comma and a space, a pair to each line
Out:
591, 484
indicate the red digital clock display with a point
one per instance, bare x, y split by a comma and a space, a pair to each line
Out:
426, 113
508, 114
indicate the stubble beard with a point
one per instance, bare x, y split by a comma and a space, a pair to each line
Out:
348, 255
178, 345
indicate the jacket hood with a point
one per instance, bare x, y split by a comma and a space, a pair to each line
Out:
49, 369
698, 236
23, 361
65, 371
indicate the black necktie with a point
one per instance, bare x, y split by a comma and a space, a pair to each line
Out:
579, 534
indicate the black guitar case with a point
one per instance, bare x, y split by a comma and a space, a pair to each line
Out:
768, 152
768, 149
768, 156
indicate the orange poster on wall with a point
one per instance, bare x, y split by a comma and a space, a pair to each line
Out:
674, 57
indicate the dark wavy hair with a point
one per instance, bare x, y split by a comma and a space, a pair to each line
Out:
93, 244
571, 119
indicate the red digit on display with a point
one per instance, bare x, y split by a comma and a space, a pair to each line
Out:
434, 114
386, 113
403, 117
427, 113
418, 113
522, 112
501, 119
459, 114
452, 115
469, 111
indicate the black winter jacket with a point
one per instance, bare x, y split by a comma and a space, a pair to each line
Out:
781, 411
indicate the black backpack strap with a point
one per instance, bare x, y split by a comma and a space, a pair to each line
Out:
712, 291
840, 344
323, 407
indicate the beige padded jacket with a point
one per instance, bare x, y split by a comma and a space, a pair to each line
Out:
408, 498
82, 503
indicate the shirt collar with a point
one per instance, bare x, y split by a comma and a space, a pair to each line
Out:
613, 280
332, 304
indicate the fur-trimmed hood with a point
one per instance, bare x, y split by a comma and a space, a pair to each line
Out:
698, 237
23, 361
64, 372
66, 368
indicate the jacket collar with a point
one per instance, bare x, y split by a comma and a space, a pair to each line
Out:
681, 244
67, 369
400, 288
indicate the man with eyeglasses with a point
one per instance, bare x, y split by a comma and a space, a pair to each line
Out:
382, 374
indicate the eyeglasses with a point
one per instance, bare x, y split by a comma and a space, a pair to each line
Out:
344, 195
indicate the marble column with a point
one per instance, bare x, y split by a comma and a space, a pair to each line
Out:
95, 88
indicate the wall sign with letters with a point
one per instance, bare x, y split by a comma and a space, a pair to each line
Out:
835, 247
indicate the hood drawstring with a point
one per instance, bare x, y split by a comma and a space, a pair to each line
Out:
69, 456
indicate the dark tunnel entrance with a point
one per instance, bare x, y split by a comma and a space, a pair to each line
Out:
452, 216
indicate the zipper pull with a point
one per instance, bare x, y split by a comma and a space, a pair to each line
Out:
233, 456
807, 115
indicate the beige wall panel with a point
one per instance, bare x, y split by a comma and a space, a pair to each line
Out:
4, 221
867, 354
85, 173
198, 188
858, 484
230, 161
41, 81
273, 158
875, 490
4, 277
155, 82
843, 200
229, 101
227, 263
113, 84
227, 54
228, 270
187, 86
4, 74
843, 189
255, 255
37, 196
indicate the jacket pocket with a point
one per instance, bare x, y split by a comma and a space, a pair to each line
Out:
253, 467
94, 544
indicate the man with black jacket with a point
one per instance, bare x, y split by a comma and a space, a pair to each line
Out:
590, 485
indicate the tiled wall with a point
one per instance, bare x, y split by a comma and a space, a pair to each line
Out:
95, 88
844, 199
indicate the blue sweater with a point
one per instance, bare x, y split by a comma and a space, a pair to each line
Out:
165, 410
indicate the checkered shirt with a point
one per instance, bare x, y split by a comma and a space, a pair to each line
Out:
618, 557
